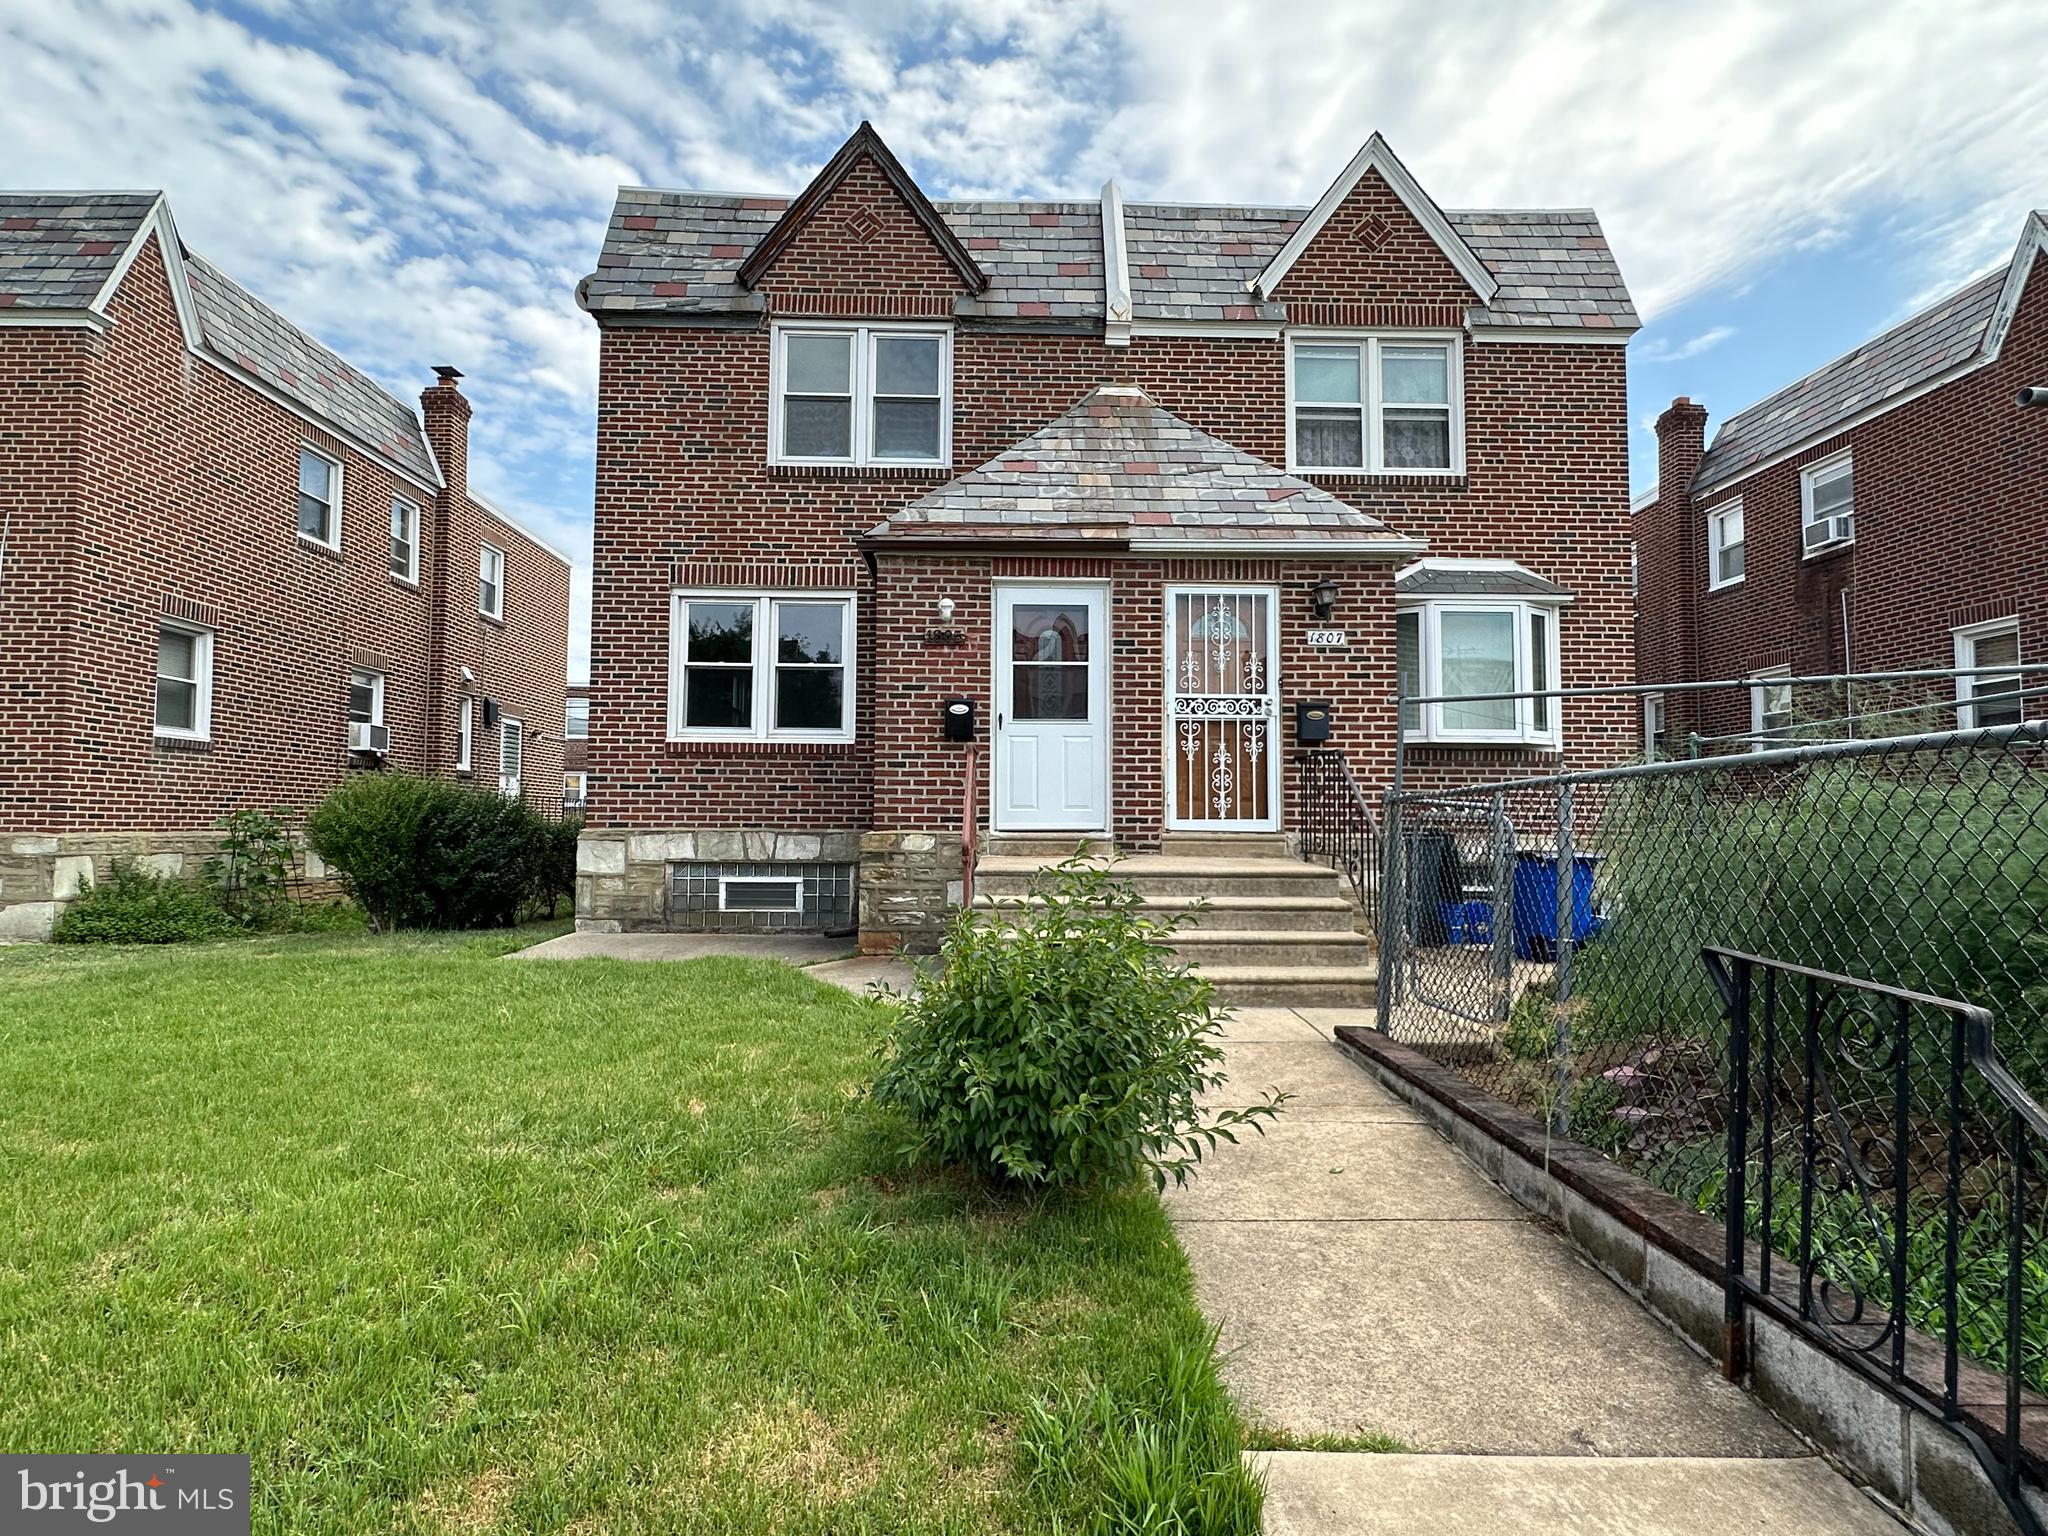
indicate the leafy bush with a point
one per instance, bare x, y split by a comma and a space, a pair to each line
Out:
1062, 1043
134, 906
558, 862
253, 870
425, 853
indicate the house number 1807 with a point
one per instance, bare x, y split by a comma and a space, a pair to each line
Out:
1326, 637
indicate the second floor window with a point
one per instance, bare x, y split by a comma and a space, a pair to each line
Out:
860, 395
490, 582
1724, 546
319, 498
405, 539
1827, 497
1375, 404
576, 719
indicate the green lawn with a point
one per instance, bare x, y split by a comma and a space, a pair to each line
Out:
454, 1243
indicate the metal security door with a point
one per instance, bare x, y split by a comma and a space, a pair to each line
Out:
1222, 690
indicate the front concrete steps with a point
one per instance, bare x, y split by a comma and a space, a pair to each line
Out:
1269, 930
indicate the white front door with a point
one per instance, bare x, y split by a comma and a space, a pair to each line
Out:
1222, 693
1051, 767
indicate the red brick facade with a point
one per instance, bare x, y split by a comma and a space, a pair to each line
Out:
1950, 489
145, 481
686, 499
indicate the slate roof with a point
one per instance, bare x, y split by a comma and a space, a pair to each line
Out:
57, 249
1938, 338
678, 252
1424, 579
1117, 468
241, 329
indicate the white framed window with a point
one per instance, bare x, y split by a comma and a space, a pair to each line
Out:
1770, 708
490, 582
1479, 646
574, 788
366, 731
860, 394
1653, 725
1993, 697
761, 666
465, 733
511, 756
184, 681
1827, 502
1725, 562
576, 720
1375, 404
405, 540
319, 497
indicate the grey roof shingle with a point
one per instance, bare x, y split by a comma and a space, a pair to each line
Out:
677, 253
243, 330
1940, 337
1427, 580
1116, 467
57, 249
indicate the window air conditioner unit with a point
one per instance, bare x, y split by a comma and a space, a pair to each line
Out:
364, 737
1823, 531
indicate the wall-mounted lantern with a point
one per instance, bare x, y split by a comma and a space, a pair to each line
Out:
945, 610
1324, 596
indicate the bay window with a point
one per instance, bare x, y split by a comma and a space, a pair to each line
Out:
860, 395
762, 666
1472, 646
1375, 404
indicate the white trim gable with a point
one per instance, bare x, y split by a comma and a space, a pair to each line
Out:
1377, 156
2033, 240
1116, 270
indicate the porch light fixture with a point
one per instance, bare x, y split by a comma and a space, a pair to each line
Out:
1324, 596
945, 610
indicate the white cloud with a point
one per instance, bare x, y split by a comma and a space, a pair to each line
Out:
424, 183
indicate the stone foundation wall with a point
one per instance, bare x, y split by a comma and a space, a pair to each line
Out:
910, 885
622, 877
40, 875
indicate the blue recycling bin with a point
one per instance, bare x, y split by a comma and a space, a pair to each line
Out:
1536, 903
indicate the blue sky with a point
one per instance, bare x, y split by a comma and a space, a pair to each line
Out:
424, 183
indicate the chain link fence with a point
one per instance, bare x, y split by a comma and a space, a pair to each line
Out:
1543, 938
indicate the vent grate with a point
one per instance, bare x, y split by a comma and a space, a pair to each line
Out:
747, 897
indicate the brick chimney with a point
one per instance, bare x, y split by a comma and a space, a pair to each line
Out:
1670, 564
453, 640
1681, 444
446, 409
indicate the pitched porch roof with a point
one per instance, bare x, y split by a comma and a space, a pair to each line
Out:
1118, 470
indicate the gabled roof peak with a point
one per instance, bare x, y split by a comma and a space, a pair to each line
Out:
1377, 156
864, 143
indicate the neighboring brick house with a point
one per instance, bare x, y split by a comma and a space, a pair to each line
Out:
1132, 479
233, 568
576, 748
1884, 513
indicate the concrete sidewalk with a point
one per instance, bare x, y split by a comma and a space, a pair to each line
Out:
1368, 1280
825, 959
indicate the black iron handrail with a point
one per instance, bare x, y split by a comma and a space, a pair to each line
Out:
1858, 1153
1338, 827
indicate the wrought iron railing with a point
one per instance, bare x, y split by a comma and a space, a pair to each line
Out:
1885, 1165
1338, 827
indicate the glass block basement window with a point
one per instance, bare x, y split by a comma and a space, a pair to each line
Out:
761, 897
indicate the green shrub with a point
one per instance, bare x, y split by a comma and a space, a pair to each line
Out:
253, 870
1062, 1043
135, 907
425, 853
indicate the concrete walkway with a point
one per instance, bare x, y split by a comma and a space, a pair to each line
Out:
830, 960
1369, 1281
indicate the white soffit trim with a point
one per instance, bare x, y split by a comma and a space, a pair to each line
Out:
1569, 335
1116, 271
1377, 156
1221, 330
77, 319
2033, 240
1283, 549
521, 529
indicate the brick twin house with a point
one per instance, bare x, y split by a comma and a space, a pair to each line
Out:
232, 568
1888, 512
1131, 480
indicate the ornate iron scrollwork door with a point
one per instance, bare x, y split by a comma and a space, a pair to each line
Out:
1222, 692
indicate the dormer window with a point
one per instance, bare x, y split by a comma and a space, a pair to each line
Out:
861, 395
1385, 404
